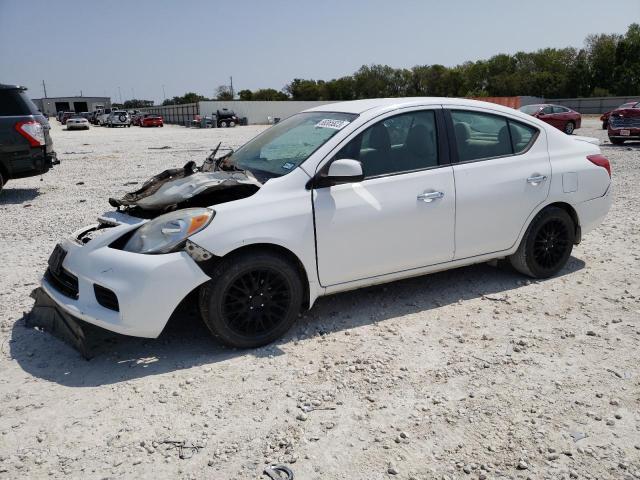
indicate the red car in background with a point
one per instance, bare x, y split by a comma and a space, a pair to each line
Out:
605, 116
623, 125
151, 120
562, 118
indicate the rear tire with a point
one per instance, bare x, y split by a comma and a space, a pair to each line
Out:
223, 124
616, 141
569, 128
252, 299
3, 181
546, 245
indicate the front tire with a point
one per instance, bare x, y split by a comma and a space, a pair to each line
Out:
252, 299
547, 244
605, 125
569, 128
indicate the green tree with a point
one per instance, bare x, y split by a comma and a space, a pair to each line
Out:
245, 95
269, 94
189, 97
626, 75
223, 92
135, 103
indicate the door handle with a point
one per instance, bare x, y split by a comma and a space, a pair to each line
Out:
428, 197
536, 179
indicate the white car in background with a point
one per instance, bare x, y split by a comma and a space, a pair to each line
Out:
118, 118
77, 122
339, 197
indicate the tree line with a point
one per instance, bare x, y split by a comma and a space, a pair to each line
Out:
608, 64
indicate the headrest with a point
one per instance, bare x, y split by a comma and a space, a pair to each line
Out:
379, 137
463, 132
419, 141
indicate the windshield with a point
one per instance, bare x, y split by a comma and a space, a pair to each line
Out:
530, 109
287, 144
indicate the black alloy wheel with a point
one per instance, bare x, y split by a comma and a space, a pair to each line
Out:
252, 299
255, 302
550, 244
546, 245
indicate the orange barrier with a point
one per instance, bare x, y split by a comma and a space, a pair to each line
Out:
513, 102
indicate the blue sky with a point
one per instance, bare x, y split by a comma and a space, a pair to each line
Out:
196, 45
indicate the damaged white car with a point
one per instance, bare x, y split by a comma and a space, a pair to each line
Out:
335, 198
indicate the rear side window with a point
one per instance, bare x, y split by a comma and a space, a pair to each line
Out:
402, 143
560, 110
15, 102
521, 136
481, 135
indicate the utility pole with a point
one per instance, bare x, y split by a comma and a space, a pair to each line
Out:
133, 94
232, 96
120, 95
164, 95
44, 87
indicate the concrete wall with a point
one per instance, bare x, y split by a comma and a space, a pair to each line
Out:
48, 105
258, 112
594, 105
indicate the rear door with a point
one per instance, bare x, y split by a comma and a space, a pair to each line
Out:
401, 216
502, 173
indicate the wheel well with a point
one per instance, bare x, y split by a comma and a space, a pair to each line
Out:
288, 254
574, 216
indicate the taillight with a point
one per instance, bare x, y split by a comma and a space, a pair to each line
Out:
32, 131
601, 161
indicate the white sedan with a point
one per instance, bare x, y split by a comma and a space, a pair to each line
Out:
335, 198
77, 122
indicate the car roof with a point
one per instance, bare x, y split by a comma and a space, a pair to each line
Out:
374, 105
11, 87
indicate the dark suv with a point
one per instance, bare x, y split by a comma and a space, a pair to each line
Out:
26, 148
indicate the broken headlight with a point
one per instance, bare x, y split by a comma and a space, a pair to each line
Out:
166, 232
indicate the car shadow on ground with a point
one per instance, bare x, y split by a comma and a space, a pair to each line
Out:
186, 342
16, 196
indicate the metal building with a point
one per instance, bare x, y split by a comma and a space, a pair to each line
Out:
52, 105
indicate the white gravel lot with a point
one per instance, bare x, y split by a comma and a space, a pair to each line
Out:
473, 373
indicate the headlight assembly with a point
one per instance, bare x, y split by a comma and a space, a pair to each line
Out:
166, 232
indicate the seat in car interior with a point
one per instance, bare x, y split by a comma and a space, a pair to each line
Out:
419, 149
376, 160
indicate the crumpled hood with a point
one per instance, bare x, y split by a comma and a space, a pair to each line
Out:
178, 185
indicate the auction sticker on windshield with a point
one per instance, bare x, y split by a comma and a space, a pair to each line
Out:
331, 123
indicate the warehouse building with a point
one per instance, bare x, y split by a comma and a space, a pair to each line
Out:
52, 105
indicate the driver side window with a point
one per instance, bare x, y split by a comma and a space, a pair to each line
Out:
402, 143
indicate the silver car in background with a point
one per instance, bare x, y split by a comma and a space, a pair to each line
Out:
119, 118
77, 122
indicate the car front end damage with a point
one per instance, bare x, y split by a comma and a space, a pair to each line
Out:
129, 272
92, 279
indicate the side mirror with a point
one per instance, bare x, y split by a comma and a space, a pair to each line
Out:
340, 172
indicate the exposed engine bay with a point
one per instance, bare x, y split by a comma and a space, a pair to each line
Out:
215, 181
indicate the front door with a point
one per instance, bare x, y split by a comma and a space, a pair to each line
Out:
401, 216
503, 173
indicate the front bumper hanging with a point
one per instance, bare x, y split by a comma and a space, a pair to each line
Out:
48, 316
